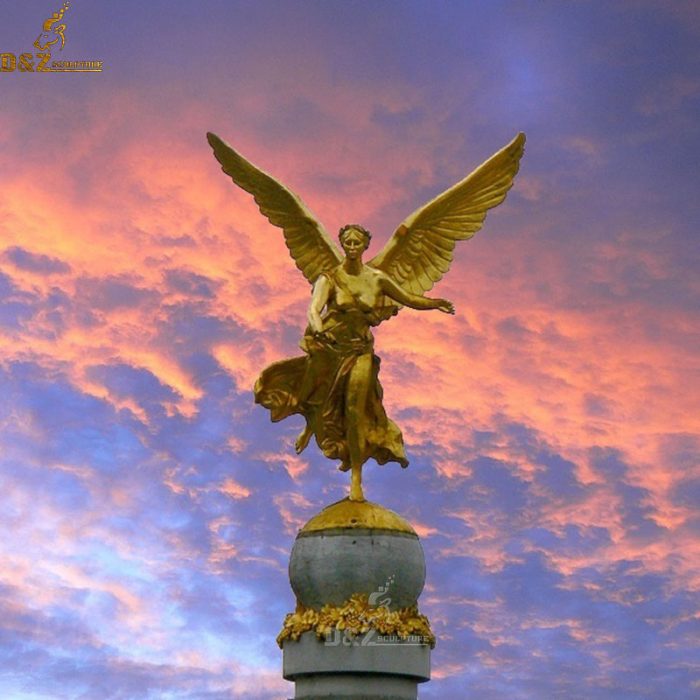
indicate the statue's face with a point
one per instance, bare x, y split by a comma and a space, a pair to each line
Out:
354, 243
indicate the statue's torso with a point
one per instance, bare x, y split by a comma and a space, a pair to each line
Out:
354, 292
352, 300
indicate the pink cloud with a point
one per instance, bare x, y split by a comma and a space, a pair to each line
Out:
234, 490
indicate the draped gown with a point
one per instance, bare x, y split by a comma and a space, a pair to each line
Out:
316, 385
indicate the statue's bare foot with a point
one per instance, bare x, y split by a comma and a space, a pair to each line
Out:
344, 467
303, 440
356, 493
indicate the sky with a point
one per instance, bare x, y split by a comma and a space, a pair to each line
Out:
149, 507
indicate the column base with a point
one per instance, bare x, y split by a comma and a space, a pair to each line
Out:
367, 667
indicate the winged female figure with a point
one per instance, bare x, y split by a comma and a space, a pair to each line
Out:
335, 384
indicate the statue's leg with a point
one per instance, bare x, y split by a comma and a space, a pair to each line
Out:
356, 417
356, 492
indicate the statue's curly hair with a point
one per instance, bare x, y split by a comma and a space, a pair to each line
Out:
356, 227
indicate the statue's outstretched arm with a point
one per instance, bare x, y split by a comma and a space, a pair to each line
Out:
413, 301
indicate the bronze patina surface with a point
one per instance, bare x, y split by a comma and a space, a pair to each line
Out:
335, 384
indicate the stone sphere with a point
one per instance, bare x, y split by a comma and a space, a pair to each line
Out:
357, 547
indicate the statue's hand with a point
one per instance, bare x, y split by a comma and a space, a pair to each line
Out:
447, 307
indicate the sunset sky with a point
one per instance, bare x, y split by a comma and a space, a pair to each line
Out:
148, 507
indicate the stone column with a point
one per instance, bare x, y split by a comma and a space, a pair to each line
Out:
357, 570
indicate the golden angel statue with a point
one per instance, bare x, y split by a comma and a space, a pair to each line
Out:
335, 384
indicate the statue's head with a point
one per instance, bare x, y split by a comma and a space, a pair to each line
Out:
352, 234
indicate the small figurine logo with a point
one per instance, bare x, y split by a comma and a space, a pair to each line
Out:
52, 37
375, 599
53, 31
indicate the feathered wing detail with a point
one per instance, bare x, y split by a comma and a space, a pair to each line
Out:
310, 246
421, 249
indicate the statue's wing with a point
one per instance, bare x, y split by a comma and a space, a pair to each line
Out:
421, 250
310, 246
